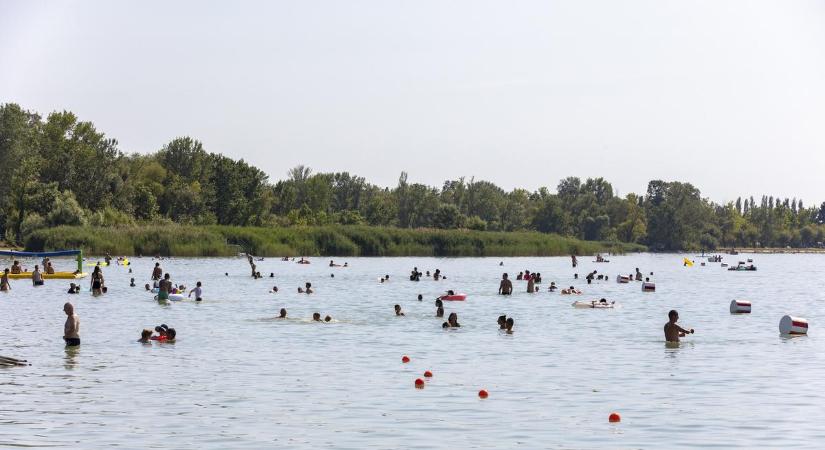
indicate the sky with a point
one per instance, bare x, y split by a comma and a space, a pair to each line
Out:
727, 95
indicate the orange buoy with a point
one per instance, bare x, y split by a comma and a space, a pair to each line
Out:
405, 359
428, 374
419, 383
614, 417
482, 394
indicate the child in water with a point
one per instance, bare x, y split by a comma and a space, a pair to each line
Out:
398, 311
145, 335
197, 291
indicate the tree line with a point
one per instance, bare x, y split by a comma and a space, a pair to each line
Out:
63, 171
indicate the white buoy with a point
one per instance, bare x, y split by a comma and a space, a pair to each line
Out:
793, 325
648, 287
740, 307
622, 279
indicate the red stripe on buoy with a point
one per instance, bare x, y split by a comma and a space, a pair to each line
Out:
800, 324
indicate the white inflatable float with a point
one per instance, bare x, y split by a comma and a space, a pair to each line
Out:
793, 326
593, 304
740, 307
174, 297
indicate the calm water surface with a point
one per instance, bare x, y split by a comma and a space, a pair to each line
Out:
238, 378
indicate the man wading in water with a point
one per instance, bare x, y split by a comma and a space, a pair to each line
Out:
71, 330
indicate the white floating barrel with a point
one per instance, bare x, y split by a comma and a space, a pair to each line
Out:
622, 279
648, 287
740, 307
793, 325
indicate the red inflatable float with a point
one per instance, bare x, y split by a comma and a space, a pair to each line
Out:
453, 297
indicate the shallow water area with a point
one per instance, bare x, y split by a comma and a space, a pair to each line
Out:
237, 377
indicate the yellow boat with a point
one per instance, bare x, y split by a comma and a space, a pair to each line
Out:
49, 276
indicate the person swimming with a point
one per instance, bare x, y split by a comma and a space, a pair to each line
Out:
438, 303
502, 322
145, 336
445, 325
398, 311
672, 331
638, 275
316, 317
439, 312
508, 327
308, 289
453, 320
420, 297
552, 287
282, 314
73, 289
274, 290
328, 319
132, 282
171, 334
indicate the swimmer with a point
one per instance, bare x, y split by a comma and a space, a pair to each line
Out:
147, 287
420, 297
300, 290
346, 264
164, 287
132, 283
552, 287
437, 274
520, 276
157, 272
502, 322
506, 286
309, 288
438, 303
328, 319
450, 292
145, 335
316, 317
4, 281
638, 275
15, 268
453, 320
672, 331
531, 284
171, 334
73, 289
37, 277
271, 274
197, 291
161, 330
445, 325
332, 275
398, 311
282, 314
439, 312
509, 325
274, 290
71, 330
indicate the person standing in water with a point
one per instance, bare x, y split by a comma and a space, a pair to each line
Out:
164, 287
531, 284
197, 291
157, 272
4, 280
672, 331
37, 277
506, 286
71, 330
575, 262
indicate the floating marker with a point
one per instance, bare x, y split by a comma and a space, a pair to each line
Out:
622, 279
794, 326
419, 383
482, 394
740, 307
405, 359
428, 374
614, 417
648, 287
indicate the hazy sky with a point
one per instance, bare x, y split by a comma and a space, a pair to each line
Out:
728, 95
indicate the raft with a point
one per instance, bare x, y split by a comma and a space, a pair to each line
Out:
593, 304
453, 298
49, 276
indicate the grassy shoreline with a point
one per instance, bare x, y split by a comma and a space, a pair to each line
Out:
335, 240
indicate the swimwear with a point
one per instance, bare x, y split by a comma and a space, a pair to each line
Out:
38, 283
96, 285
72, 342
163, 295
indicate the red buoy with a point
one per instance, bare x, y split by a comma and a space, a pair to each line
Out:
419, 383
428, 374
614, 417
482, 394
405, 359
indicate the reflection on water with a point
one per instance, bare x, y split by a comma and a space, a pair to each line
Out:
238, 377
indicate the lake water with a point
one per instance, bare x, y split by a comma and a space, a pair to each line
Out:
238, 378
